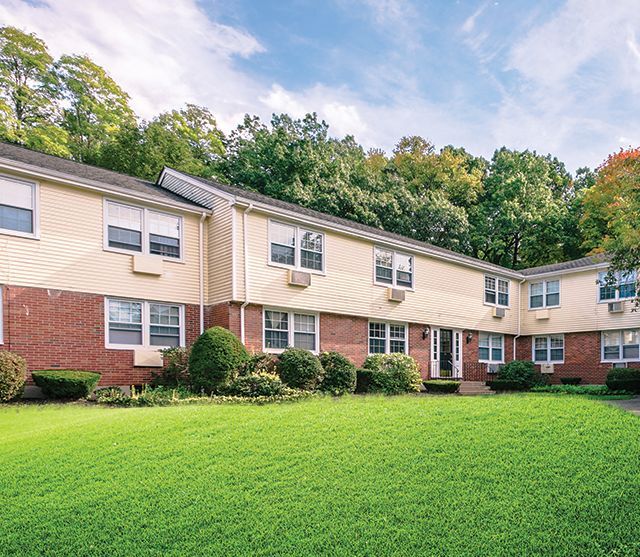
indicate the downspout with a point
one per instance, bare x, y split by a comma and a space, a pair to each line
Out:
201, 271
245, 243
515, 338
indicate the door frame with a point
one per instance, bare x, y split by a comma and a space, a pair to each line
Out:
457, 345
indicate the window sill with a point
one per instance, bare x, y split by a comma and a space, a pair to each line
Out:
131, 252
616, 300
15, 233
297, 269
619, 361
490, 362
495, 305
138, 347
554, 362
385, 285
544, 307
281, 350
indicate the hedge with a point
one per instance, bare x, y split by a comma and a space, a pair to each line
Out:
441, 386
66, 383
339, 374
300, 369
392, 374
13, 370
571, 380
626, 379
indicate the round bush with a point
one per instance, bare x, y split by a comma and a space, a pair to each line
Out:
570, 380
339, 374
624, 379
13, 371
521, 374
393, 374
256, 384
300, 369
215, 359
66, 383
439, 386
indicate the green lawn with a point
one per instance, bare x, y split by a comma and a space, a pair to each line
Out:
415, 475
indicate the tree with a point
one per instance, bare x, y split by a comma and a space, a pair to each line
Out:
611, 220
29, 111
97, 108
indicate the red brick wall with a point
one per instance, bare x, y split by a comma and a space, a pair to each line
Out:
581, 357
65, 330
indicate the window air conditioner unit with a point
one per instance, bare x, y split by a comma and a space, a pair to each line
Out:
494, 368
619, 365
499, 312
396, 294
299, 278
546, 368
616, 307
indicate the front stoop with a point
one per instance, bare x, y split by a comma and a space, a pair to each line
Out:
474, 388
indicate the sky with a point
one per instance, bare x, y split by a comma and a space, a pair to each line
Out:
559, 77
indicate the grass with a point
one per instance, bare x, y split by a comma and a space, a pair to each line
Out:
503, 475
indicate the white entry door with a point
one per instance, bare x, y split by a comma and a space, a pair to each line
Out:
446, 348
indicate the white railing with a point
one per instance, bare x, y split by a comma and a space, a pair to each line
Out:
436, 371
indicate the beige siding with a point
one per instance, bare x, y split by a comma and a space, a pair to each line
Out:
220, 258
446, 294
70, 254
579, 308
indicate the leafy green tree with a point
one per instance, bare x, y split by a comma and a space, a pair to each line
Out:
97, 109
29, 112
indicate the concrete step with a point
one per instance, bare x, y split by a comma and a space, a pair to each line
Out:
474, 388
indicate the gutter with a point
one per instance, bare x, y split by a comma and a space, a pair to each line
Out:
245, 241
515, 338
201, 267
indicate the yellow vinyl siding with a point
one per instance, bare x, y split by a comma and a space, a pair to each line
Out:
220, 261
446, 294
579, 308
70, 254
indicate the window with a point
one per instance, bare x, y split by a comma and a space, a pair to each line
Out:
621, 345
133, 323
17, 207
387, 338
283, 329
624, 287
548, 348
393, 268
296, 247
142, 230
491, 348
543, 294
496, 291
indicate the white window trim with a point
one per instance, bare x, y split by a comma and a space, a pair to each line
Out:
619, 360
144, 231
146, 325
394, 278
548, 360
484, 291
1, 314
35, 193
544, 294
490, 360
291, 332
617, 291
387, 342
297, 248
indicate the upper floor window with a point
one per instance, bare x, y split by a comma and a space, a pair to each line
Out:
621, 345
624, 287
393, 268
283, 329
548, 348
17, 207
496, 291
387, 338
296, 247
491, 347
133, 323
142, 230
545, 293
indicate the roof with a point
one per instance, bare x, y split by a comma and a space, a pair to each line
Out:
591, 260
92, 175
250, 195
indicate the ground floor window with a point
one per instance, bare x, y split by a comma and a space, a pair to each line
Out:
621, 345
491, 348
283, 329
138, 323
548, 348
387, 338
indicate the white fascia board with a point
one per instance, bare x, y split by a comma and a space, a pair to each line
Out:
603, 265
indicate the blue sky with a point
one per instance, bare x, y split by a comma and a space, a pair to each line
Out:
555, 76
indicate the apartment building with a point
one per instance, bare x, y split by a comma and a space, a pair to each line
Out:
100, 270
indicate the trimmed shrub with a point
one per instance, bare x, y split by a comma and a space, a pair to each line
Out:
570, 380
396, 374
215, 359
13, 371
440, 386
260, 362
520, 373
624, 379
66, 383
364, 379
174, 372
339, 374
594, 390
111, 395
505, 385
257, 384
300, 369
